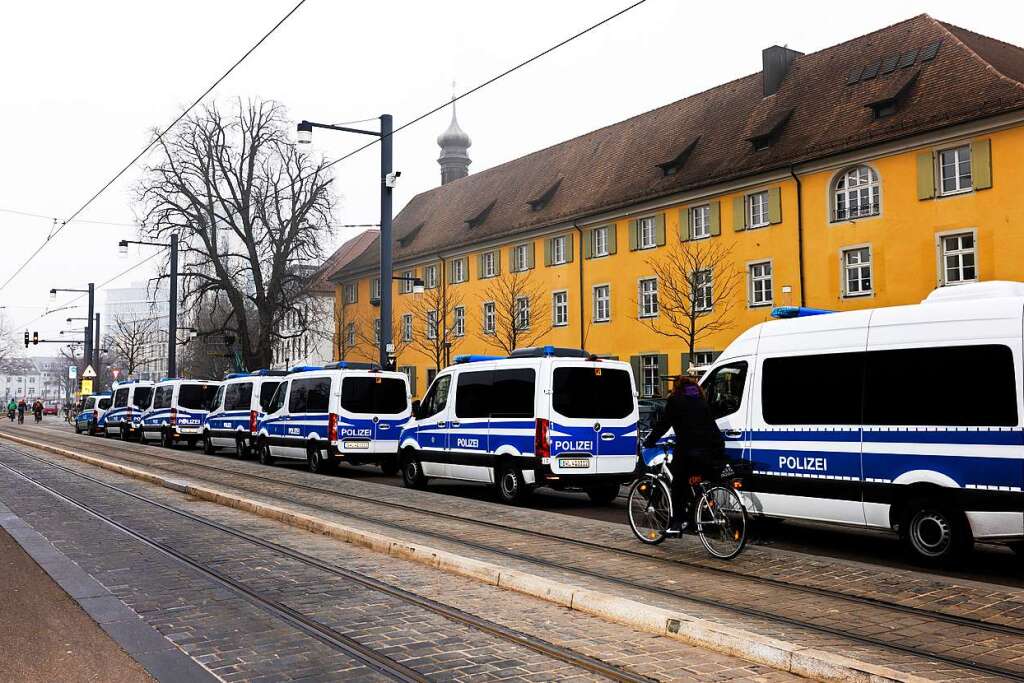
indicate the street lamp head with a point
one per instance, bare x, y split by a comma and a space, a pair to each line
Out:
53, 294
417, 286
122, 247
304, 133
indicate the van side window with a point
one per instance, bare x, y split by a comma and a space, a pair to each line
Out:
437, 398
121, 398
913, 387
277, 402
237, 396
512, 392
724, 388
218, 398
104, 403
813, 390
267, 390
141, 397
473, 394
310, 395
163, 397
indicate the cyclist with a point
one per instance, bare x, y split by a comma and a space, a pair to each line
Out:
12, 407
37, 410
22, 407
699, 444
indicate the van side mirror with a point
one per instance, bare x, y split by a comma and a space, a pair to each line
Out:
416, 408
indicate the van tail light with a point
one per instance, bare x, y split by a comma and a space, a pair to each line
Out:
174, 416
541, 447
332, 427
252, 421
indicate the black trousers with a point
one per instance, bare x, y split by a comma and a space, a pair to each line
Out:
684, 465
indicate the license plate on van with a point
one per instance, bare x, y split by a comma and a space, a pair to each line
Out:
574, 463
356, 445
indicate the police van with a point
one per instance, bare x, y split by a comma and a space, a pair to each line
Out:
237, 406
344, 411
906, 418
130, 400
178, 410
93, 409
543, 416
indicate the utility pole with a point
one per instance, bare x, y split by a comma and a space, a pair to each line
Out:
172, 312
96, 349
387, 184
88, 324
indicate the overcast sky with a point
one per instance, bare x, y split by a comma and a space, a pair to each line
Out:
84, 82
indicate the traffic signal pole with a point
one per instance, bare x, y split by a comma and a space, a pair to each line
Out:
89, 323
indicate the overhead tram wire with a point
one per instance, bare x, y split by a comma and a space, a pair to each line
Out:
29, 214
146, 149
486, 83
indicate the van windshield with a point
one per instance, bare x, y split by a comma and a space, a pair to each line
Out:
196, 396
592, 392
373, 395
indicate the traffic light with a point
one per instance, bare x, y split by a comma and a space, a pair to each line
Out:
26, 339
35, 338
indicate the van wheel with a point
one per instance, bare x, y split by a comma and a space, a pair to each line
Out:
934, 532
389, 465
511, 487
264, 449
166, 440
241, 449
124, 434
208, 447
317, 462
141, 438
191, 442
78, 430
603, 495
92, 429
412, 472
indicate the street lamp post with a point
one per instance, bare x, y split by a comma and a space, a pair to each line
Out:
388, 178
88, 351
172, 295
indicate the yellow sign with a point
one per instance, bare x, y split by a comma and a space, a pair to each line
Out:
86, 387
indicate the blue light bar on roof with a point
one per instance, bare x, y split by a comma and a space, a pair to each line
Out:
475, 358
351, 365
236, 375
266, 372
305, 368
781, 312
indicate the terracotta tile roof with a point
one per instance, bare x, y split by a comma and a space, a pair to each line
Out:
320, 281
821, 108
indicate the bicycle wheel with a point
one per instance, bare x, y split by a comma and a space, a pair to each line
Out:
722, 522
650, 509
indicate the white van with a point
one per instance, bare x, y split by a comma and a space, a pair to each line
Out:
178, 410
237, 406
544, 416
905, 418
131, 398
343, 411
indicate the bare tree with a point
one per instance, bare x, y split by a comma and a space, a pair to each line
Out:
252, 211
433, 315
131, 343
8, 347
346, 333
368, 340
522, 313
697, 285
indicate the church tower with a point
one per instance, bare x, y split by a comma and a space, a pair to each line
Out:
454, 144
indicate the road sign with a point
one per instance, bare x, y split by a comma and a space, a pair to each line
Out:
116, 373
88, 372
72, 372
86, 387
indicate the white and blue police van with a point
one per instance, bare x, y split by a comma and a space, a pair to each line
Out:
93, 408
906, 418
177, 412
131, 398
344, 411
543, 416
237, 406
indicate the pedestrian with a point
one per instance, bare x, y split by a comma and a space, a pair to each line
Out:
699, 444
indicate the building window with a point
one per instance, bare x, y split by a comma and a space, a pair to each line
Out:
703, 295
560, 309
955, 169
405, 284
459, 321
651, 375
857, 271
520, 257
702, 358
375, 288
559, 249
431, 324
350, 335
958, 259
757, 210
488, 264
522, 312
760, 278
700, 222
431, 374
648, 297
430, 277
602, 303
376, 330
459, 270
648, 237
490, 318
351, 293
600, 241
855, 194
407, 327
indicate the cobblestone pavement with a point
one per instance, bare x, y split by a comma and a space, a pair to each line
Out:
238, 641
679, 567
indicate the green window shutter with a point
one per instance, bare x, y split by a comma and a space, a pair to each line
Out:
775, 205
497, 261
716, 218
451, 273
412, 379
739, 211
530, 255
637, 378
569, 247
479, 265
613, 233
925, 175
634, 235
588, 244
684, 224
684, 363
547, 250
663, 373
511, 259
659, 229
981, 164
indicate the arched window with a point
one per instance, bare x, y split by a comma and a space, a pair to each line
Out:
855, 194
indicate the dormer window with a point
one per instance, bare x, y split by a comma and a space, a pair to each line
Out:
478, 219
768, 132
538, 203
673, 166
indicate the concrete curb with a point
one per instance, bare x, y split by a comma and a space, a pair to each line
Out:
785, 656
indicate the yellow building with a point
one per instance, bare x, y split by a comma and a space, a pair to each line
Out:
861, 175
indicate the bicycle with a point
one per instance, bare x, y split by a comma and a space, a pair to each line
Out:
720, 518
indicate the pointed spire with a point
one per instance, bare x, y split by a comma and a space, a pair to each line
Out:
454, 144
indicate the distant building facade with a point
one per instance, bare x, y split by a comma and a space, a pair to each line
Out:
140, 303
